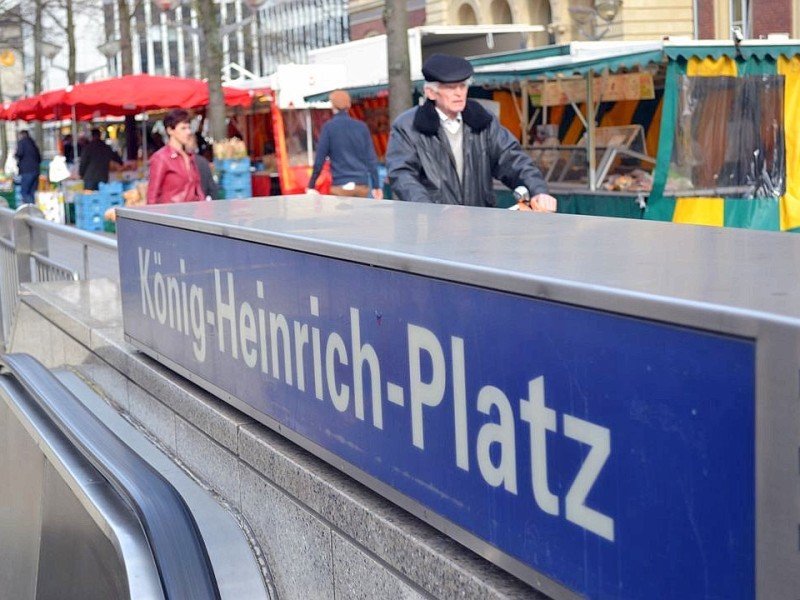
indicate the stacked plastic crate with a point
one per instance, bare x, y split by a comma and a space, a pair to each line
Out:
90, 207
234, 177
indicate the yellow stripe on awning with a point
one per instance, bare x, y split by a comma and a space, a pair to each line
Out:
709, 67
790, 201
700, 211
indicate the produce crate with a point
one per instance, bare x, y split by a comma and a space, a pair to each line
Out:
233, 179
90, 209
111, 188
237, 191
232, 165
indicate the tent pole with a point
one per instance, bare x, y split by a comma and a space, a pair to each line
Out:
74, 128
523, 88
544, 101
309, 138
144, 143
590, 141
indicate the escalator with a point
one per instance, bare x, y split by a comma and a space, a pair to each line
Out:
89, 508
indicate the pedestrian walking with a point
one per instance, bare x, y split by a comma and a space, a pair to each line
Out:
29, 159
173, 172
348, 144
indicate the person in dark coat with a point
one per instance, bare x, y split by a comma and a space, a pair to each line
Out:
29, 159
450, 149
348, 144
69, 150
207, 181
95, 161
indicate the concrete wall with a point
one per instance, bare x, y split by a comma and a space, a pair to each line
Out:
321, 534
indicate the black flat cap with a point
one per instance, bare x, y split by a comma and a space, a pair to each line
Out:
446, 69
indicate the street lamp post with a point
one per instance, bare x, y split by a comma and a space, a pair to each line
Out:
109, 49
49, 51
587, 17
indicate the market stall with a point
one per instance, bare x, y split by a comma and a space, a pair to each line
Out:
585, 112
699, 132
282, 129
126, 95
729, 154
714, 145
121, 96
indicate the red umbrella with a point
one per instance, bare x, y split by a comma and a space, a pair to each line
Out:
126, 95
23, 108
44, 107
132, 94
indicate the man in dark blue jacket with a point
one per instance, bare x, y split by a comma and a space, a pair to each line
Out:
28, 161
348, 144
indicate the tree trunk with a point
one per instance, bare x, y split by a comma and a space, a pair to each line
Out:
72, 71
3, 135
125, 49
37, 68
126, 54
213, 44
395, 16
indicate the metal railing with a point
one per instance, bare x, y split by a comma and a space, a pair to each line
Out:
27, 255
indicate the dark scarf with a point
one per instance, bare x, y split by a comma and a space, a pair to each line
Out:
427, 122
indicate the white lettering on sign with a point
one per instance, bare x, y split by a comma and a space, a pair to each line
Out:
344, 369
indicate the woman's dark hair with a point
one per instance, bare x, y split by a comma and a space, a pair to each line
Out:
175, 116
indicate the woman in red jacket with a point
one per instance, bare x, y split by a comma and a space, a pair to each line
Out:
173, 172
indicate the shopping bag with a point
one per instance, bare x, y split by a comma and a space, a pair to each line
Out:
59, 171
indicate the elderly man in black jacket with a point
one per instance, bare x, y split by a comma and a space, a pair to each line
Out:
450, 149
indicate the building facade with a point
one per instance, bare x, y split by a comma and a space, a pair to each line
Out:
570, 20
754, 18
254, 40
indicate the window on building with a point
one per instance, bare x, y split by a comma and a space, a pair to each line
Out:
741, 17
466, 15
729, 138
158, 60
501, 13
171, 61
250, 48
539, 13
189, 64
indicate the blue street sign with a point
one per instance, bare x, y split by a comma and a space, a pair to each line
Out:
612, 454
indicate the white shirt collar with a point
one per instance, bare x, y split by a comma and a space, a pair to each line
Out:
452, 125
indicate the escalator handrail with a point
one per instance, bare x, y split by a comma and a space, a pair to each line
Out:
175, 540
